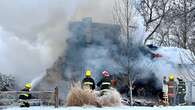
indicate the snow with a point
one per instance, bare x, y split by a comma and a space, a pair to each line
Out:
175, 55
176, 61
106, 108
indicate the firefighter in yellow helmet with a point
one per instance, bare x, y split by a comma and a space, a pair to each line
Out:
172, 88
171, 78
88, 82
26, 96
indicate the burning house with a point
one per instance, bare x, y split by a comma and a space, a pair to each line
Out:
88, 47
96, 46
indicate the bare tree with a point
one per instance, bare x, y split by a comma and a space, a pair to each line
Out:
187, 71
123, 14
172, 23
181, 21
153, 12
185, 28
7, 82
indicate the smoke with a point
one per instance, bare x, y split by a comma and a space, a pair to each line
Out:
33, 32
101, 54
33, 36
100, 11
20, 58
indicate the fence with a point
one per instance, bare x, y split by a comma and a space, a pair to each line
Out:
10, 98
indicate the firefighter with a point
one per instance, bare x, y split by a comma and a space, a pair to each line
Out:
165, 91
88, 82
172, 88
25, 97
181, 92
105, 83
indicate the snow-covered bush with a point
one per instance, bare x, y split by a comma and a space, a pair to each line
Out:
7, 82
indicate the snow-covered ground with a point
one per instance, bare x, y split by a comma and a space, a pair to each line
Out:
106, 108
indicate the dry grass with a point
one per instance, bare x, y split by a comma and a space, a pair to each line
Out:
112, 98
79, 97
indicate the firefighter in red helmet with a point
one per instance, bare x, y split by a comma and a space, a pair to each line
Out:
105, 83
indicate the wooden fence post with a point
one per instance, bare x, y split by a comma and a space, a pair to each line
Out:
56, 97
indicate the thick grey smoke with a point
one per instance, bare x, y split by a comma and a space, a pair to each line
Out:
32, 36
96, 56
102, 53
100, 10
33, 32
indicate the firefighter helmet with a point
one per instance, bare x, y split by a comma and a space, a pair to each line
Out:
171, 77
105, 74
88, 73
27, 85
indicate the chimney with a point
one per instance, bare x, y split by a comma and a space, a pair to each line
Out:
88, 29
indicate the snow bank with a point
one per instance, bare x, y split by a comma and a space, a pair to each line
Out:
176, 61
106, 108
175, 55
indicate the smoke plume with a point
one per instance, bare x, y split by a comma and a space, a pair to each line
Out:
33, 32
